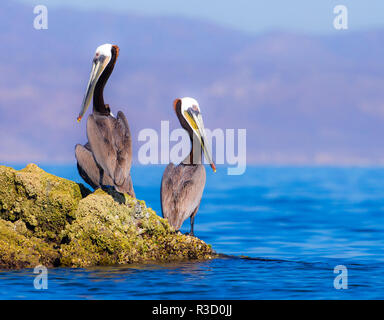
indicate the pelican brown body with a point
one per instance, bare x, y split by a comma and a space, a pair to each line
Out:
106, 159
182, 186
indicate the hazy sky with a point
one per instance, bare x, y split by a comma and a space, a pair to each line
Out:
249, 15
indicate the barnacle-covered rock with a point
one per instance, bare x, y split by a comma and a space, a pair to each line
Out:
52, 221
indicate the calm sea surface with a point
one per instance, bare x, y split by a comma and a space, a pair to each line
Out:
294, 225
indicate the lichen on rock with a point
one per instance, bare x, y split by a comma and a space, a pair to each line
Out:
52, 221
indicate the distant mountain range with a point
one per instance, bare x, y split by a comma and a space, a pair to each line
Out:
303, 99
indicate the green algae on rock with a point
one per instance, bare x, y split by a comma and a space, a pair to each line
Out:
52, 221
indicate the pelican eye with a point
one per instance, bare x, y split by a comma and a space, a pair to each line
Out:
193, 110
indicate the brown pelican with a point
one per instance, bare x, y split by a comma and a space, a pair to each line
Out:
106, 159
182, 185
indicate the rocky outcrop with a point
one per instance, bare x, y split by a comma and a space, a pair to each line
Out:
52, 221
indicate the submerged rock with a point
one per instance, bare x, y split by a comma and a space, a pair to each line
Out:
52, 221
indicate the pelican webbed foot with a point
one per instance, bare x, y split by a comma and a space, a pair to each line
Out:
191, 234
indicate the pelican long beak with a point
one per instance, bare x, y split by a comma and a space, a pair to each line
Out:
98, 67
196, 122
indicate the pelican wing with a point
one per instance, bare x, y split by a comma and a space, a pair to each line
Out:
123, 142
88, 167
100, 136
181, 191
110, 141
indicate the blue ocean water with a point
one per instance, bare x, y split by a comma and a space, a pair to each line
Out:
294, 225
